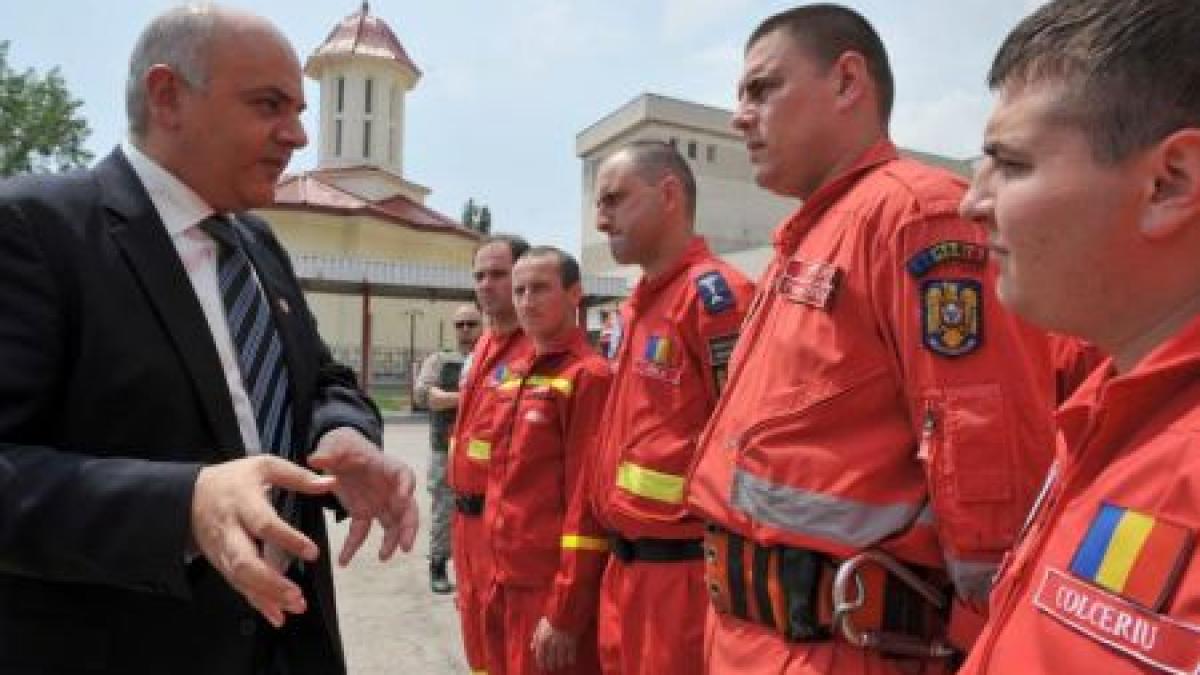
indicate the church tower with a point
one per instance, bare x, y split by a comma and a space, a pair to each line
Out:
365, 74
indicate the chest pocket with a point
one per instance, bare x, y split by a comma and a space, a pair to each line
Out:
966, 440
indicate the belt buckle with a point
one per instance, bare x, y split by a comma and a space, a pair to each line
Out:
844, 609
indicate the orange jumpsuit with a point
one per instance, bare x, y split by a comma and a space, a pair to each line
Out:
547, 550
1105, 579
672, 343
879, 398
470, 449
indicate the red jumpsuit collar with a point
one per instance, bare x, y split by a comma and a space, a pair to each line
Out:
787, 234
1131, 397
574, 341
697, 249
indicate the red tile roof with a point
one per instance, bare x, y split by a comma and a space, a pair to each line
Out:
307, 192
363, 34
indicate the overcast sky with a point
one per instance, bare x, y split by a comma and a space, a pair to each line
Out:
508, 84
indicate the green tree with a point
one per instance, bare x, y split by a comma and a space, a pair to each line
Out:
469, 214
484, 222
40, 129
477, 217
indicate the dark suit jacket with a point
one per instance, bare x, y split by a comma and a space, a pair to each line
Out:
111, 399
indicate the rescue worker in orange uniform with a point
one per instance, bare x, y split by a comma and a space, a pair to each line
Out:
884, 417
547, 550
489, 367
670, 346
1090, 189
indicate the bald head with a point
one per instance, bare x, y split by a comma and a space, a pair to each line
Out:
184, 39
654, 160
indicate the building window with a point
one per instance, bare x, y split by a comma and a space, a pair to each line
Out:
367, 138
712, 153
691, 149
337, 138
370, 95
341, 94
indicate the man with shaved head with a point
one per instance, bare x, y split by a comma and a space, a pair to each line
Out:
164, 386
886, 422
670, 346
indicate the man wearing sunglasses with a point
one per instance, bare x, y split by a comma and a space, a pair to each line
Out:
437, 390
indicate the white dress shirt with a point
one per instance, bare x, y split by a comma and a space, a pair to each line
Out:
181, 211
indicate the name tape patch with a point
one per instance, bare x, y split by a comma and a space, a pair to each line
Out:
809, 283
944, 252
1160, 641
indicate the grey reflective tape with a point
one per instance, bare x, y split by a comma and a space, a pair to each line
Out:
813, 514
926, 516
972, 580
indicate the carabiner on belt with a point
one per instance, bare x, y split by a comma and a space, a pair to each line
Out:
884, 641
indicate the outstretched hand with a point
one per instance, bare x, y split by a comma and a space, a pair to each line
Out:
371, 486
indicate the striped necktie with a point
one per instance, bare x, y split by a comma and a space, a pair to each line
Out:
259, 349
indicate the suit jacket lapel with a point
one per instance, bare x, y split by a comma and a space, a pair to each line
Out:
137, 230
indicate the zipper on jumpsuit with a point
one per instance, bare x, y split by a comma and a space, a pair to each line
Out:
1055, 503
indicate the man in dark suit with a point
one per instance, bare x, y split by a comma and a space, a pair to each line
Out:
162, 383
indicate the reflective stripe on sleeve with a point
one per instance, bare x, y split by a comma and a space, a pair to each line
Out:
971, 579
651, 484
814, 514
582, 543
481, 450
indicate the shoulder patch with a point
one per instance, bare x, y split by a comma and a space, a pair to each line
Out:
1132, 554
720, 349
715, 292
946, 251
951, 316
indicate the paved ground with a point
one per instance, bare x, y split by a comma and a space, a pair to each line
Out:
391, 623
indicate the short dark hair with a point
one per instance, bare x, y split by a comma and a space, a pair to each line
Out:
653, 159
827, 31
517, 246
1130, 68
568, 267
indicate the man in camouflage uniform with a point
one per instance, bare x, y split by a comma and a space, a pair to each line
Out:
437, 390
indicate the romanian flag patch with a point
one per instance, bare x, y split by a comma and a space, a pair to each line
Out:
658, 350
1134, 555
500, 374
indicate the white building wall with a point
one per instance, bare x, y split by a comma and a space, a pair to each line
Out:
732, 212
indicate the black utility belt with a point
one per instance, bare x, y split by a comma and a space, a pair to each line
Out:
469, 505
655, 550
790, 591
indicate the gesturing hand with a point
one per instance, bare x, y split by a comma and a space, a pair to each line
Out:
232, 513
371, 486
